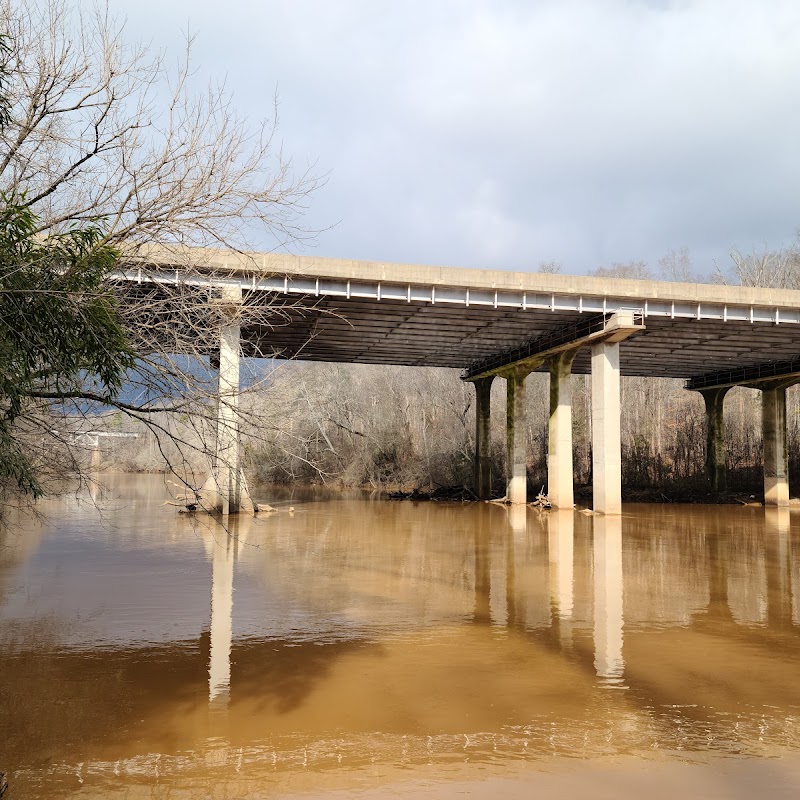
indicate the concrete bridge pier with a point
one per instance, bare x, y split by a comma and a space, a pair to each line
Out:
226, 488
716, 470
606, 442
483, 462
559, 444
517, 454
776, 455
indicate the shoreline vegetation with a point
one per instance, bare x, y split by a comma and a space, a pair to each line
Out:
409, 432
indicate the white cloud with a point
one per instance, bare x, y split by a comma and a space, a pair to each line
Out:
514, 132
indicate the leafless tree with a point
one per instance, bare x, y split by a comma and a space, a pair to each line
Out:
101, 131
778, 269
632, 270
676, 265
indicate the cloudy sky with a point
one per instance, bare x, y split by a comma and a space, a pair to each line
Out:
506, 133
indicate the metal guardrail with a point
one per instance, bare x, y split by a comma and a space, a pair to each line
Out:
561, 336
757, 372
436, 294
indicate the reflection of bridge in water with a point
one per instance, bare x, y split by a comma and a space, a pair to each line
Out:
566, 592
374, 630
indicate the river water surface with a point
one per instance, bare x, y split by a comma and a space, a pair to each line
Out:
362, 648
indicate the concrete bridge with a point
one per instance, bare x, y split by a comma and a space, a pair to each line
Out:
494, 324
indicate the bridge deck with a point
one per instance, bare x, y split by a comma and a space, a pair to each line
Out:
368, 312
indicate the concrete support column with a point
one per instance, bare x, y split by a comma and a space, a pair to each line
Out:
96, 454
229, 478
517, 455
606, 443
776, 456
483, 463
559, 444
716, 471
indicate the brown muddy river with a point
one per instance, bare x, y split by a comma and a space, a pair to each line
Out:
374, 649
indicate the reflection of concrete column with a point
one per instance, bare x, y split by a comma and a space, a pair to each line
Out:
517, 455
560, 545
560, 548
779, 589
776, 456
559, 444
219, 668
95, 453
517, 533
518, 520
94, 477
715, 438
511, 587
483, 461
719, 607
606, 447
608, 595
483, 578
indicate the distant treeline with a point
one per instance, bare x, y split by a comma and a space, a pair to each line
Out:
406, 428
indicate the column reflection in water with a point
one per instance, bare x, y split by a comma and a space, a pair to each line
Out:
223, 547
482, 613
518, 521
516, 535
779, 577
560, 548
608, 594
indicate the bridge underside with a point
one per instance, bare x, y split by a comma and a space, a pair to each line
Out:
424, 335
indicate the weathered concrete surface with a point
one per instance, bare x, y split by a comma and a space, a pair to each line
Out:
776, 456
716, 471
483, 461
280, 264
516, 446
228, 479
606, 442
210, 497
559, 444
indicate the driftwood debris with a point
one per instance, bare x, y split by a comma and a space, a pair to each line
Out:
542, 500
